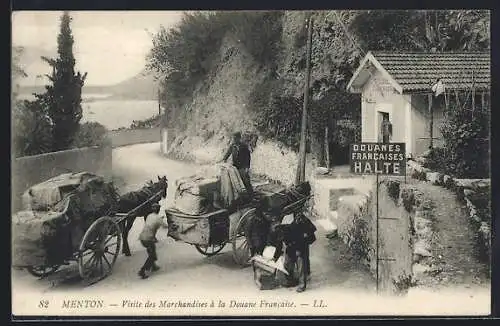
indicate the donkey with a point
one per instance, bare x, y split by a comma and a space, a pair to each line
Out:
133, 199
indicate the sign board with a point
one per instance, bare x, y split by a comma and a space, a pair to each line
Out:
378, 158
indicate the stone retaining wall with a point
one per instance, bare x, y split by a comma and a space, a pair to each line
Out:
125, 137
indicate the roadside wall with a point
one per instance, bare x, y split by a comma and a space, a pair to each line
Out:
126, 137
30, 170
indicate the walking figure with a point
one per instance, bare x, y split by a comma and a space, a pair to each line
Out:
148, 239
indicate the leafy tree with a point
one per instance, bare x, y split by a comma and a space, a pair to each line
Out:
17, 71
62, 98
423, 30
91, 134
32, 129
31, 126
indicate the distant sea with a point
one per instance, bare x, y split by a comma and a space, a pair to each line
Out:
113, 114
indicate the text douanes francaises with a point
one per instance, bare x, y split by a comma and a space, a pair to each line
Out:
261, 304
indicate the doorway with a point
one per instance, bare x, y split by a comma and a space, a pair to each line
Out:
380, 118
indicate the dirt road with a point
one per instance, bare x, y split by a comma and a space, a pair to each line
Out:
187, 274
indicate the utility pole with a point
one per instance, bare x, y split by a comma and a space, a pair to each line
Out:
301, 168
431, 124
159, 105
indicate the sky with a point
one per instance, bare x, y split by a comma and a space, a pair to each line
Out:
110, 45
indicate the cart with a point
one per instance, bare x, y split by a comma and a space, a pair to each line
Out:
95, 242
211, 232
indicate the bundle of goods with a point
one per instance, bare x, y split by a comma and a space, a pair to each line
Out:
56, 214
34, 242
210, 228
286, 196
266, 271
233, 192
196, 195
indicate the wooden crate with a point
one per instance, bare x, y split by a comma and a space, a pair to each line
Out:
207, 229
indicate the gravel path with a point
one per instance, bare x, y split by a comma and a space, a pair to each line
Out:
455, 253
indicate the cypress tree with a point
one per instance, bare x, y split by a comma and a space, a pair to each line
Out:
63, 97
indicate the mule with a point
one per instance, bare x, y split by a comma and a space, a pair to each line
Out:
133, 199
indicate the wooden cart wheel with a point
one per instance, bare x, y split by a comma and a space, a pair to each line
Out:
210, 250
42, 271
99, 249
241, 248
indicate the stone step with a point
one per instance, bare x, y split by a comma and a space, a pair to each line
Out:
327, 225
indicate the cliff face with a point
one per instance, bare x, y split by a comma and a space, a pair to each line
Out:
221, 106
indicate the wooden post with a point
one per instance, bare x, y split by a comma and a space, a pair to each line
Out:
482, 101
377, 260
473, 91
159, 104
301, 168
431, 112
327, 148
446, 104
457, 99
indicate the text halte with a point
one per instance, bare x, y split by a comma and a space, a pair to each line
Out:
377, 167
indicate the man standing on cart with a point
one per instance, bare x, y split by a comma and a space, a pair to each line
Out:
240, 154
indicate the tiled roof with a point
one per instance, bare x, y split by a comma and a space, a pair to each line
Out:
419, 71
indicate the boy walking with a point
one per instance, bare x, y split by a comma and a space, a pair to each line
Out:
148, 239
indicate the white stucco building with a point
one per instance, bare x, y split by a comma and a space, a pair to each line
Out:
399, 85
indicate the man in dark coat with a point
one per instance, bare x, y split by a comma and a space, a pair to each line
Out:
386, 130
297, 237
260, 229
240, 154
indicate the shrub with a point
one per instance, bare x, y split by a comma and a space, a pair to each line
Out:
467, 146
393, 188
437, 160
91, 134
152, 122
419, 175
358, 240
408, 197
481, 199
32, 129
403, 283
450, 183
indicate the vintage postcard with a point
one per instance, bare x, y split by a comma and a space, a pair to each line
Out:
251, 163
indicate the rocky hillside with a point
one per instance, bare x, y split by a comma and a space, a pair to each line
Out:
223, 108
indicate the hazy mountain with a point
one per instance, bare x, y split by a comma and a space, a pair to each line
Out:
142, 86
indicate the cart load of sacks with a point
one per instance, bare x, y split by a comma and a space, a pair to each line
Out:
223, 188
209, 205
55, 215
